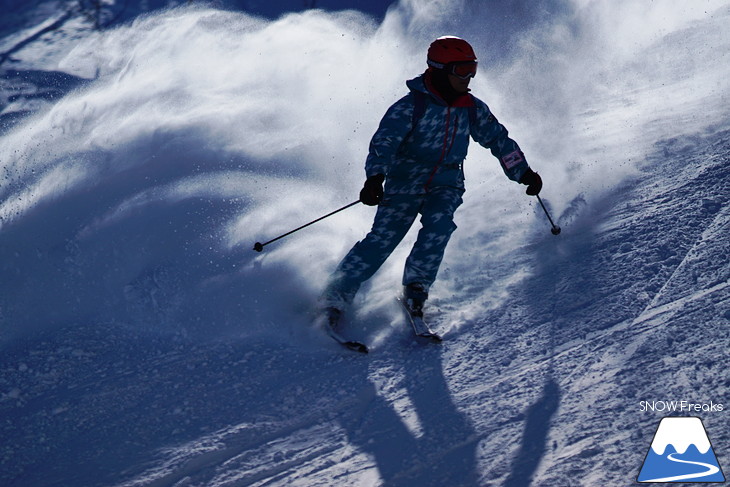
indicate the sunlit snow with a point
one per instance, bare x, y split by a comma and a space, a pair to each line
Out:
145, 343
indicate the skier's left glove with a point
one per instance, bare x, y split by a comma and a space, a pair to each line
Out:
372, 192
533, 182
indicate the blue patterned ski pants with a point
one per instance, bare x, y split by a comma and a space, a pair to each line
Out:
395, 215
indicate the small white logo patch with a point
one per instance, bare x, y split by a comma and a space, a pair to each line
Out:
512, 159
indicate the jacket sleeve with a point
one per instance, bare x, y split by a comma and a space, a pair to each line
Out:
491, 134
393, 129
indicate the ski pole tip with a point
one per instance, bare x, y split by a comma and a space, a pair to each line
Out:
555, 230
258, 246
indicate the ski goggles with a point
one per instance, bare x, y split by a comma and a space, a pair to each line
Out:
460, 69
463, 70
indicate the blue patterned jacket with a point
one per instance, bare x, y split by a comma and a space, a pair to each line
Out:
431, 154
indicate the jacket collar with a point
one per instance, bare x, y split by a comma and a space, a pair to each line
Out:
423, 84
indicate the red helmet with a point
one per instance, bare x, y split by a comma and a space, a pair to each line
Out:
449, 49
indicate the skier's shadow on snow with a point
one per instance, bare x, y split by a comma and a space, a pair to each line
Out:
419, 438
534, 438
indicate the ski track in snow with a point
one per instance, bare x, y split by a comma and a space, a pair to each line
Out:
141, 346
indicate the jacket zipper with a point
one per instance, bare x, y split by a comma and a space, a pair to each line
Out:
446, 147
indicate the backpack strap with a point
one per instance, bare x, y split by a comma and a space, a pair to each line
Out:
419, 107
472, 112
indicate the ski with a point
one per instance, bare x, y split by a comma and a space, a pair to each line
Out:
420, 328
332, 318
349, 344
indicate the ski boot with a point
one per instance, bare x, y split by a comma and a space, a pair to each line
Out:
413, 300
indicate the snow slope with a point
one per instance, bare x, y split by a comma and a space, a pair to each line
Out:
145, 344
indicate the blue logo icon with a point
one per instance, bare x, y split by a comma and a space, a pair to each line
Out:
681, 452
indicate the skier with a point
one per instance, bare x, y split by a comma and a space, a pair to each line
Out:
418, 152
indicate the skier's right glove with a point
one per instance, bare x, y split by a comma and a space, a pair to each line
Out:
533, 181
372, 192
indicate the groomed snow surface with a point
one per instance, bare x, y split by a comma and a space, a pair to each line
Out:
144, 343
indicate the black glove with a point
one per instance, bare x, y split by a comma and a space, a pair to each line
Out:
533, 182
372, 192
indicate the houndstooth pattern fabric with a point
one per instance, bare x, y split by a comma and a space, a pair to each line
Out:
424, 175
431, 154
394, 218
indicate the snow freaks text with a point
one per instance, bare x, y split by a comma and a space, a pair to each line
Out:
680, 407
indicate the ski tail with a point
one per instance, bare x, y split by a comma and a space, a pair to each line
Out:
331, 325
349, 344
419, 326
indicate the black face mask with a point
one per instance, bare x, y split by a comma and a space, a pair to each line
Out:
440, 81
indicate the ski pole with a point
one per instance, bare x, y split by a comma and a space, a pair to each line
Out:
556, 229
258, 246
